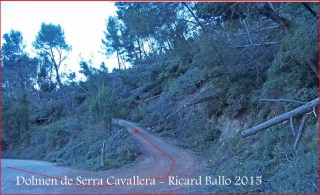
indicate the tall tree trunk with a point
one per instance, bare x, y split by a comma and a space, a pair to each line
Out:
206, 34
310, 10
56, 66
57, 74
268, 12
194, 16
123, 62
118, 58
139, 47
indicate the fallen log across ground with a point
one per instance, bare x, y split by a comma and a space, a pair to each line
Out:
309, 106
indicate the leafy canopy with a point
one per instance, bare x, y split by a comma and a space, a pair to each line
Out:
50, 36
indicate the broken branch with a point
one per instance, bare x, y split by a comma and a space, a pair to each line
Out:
301, 127
292, 127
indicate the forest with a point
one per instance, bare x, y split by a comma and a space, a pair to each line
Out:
195, 73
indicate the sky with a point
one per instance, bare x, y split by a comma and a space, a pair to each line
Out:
82, 22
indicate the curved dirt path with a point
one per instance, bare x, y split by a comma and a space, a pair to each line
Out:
151, 164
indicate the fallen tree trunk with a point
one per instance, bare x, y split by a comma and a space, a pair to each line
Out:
258, 44
148, 99
286, 116
282, 100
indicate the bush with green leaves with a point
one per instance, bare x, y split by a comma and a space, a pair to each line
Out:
16, 121
103, 107
238, 97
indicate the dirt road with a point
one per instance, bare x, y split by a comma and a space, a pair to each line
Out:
151, 164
